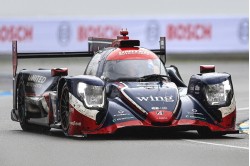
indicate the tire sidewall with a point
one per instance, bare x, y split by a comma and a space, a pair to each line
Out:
65, 89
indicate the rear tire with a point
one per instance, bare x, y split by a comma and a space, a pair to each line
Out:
23, 113
64, 109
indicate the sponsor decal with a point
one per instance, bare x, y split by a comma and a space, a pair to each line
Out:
159, 108
147, 85
36, 78
162, 117
74, 123
33, 85
127, 52
195, 117
194, 114
123, 118
158, 98
194, 110
16, 32
35, 81
64, 33
189, 32
102, 31
159, 112
121, 113
244, 31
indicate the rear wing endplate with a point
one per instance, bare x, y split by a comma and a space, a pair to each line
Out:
162, 51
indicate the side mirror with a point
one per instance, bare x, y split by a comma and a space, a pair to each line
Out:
59, 72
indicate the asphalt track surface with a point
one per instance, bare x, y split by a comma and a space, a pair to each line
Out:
159, 149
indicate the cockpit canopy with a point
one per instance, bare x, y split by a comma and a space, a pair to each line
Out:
132, 68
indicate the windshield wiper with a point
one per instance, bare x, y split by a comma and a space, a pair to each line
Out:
154, 77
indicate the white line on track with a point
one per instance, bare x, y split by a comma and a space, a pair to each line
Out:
214, 144
243, 109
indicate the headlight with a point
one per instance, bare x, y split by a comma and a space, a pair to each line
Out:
217, 94
93, 96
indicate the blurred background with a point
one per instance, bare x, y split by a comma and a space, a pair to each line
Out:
190, 26
114, 8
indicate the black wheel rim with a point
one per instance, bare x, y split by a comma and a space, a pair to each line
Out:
65, 110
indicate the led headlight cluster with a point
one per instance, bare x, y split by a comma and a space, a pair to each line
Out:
93, 96
217, 94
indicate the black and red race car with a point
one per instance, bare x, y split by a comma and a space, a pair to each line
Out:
123, 86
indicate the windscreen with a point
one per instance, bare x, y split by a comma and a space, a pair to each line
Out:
116, 69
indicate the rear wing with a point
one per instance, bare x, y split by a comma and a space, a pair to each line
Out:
16, 55
94, 44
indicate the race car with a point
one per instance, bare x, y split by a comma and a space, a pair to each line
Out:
124, 86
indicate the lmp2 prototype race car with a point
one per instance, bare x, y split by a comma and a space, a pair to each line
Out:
124, 86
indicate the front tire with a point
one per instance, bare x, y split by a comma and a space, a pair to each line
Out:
64, 109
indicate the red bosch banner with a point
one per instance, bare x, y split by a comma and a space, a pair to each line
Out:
189, 32
103, 31
16, 32
183, 35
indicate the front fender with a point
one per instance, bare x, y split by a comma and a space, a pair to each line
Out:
223, 113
